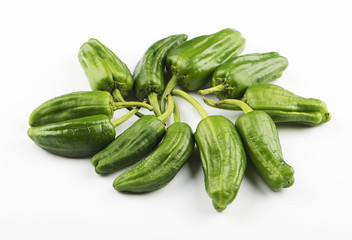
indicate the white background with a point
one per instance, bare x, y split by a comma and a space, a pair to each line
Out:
44, 196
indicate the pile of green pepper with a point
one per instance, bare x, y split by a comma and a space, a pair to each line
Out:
80, 124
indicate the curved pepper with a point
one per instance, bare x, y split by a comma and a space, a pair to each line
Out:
77, 105
78, 137
222, 154
231, 79
104, 69
193, 62
161, 166
261, 141
133, 144
280, 104
149, 72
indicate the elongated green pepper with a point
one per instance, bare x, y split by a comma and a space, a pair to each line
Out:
161, 166
222, 155
149, 72
231, 79
133, 144
78, 105
80, 137
261, 141
193, 62
280, 104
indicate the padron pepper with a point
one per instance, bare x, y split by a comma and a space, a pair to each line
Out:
78, 105
105, 71
231, 79
149, 72
162, 165
133, 144
261, 141
222, 154
79, 137
193, 62
280, 104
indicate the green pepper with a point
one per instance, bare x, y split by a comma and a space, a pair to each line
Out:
222, 154
133, 144
261, 141
231, 79
193, 62
149, 72
281, 105
78, 105
105, 71
161, 166
80, 137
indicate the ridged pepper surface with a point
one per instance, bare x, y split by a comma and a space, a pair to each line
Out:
149, 72
261, 141
193, 62
78, 105
280, 104
78, 137
223, 159
105, 71
222, 155
162, 165
133, 144
231, 79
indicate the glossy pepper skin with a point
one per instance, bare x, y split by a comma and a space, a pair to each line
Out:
161, 166
231, 79
285, 106
71, 106
195, 60
134, 143
261, 141
129, 147
149, 72
77, 105
280, 104
223, 159
104, 69
78, 137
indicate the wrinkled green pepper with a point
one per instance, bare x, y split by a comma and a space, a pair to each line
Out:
261, 141
193, 62
105, 71
80, 137
280, 104
222, 154
149, 72
161, 166
231, 79
78, 105
133, 144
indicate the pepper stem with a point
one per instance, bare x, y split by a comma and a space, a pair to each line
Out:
118, 96
120, 105
245, 107
176, 111
224, 106
125, 117
170, 85
177, 92
153, 100
170, 108
207, 91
